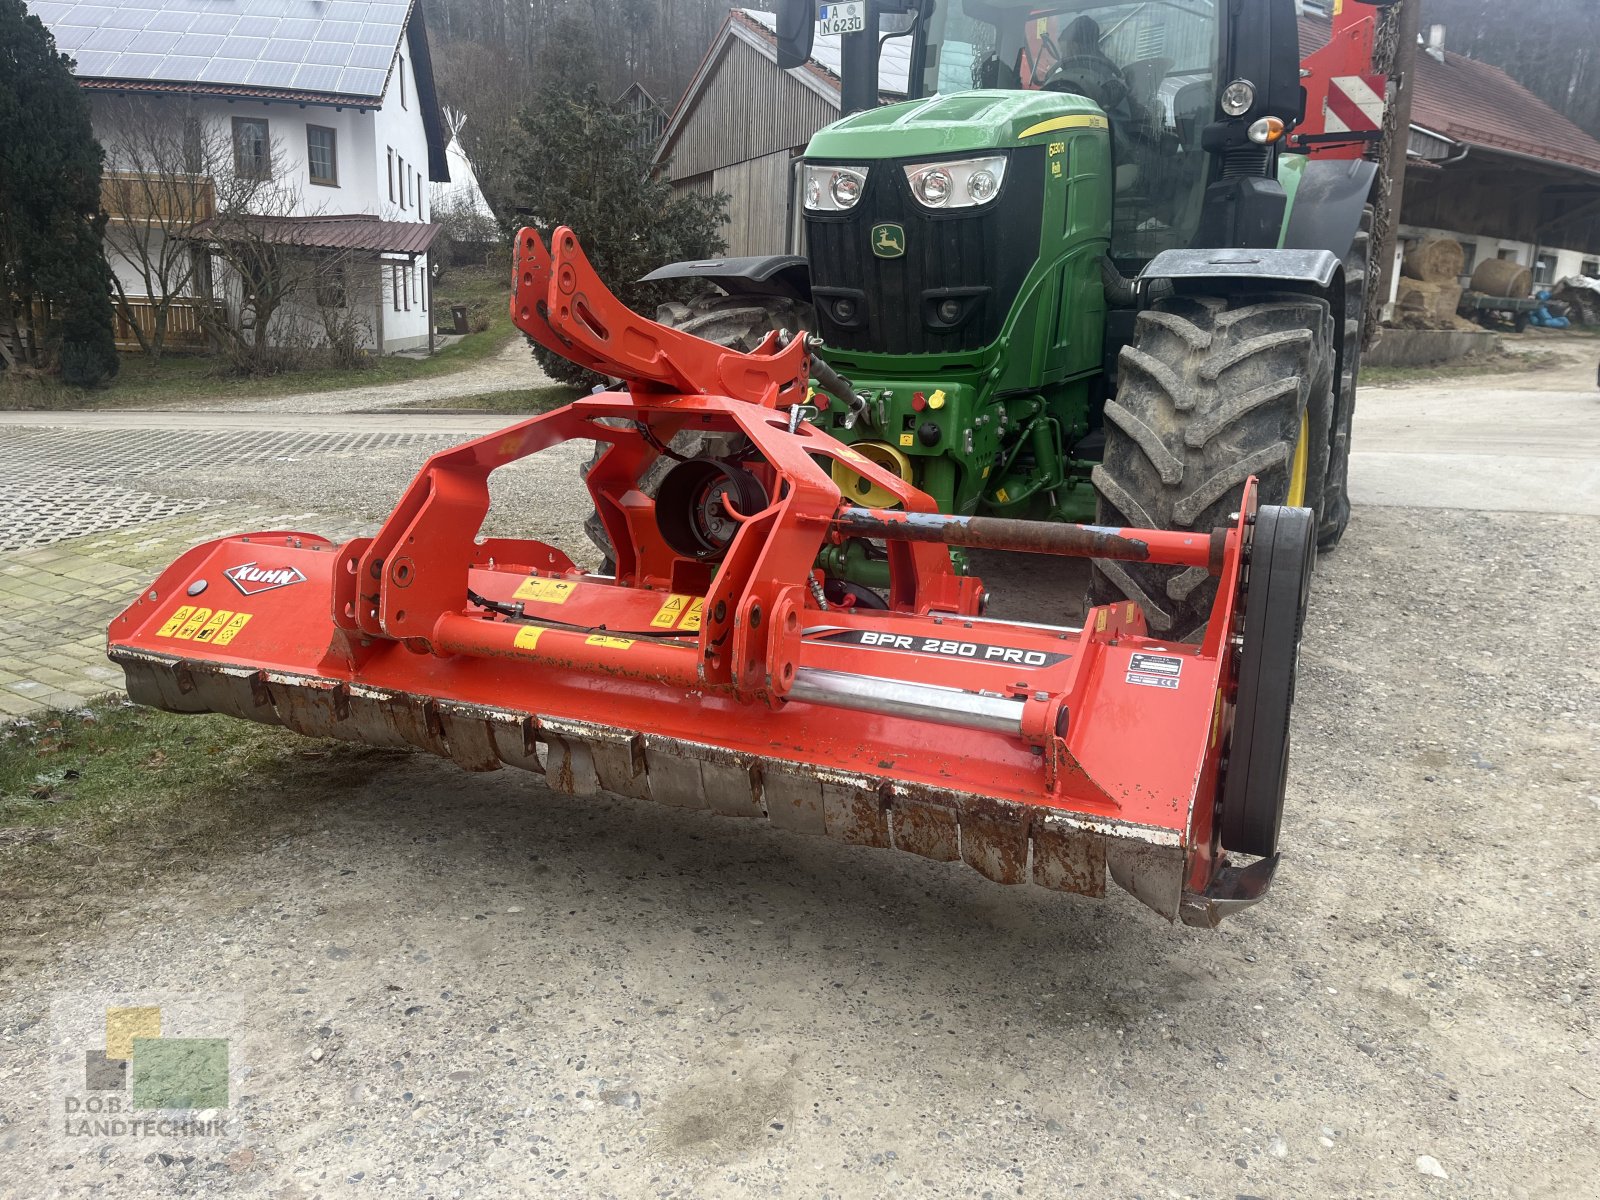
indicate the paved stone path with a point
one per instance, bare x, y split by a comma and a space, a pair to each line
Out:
93, 512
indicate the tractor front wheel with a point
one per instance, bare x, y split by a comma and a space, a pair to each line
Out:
1211, 391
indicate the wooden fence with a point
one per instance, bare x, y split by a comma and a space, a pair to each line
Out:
184, 330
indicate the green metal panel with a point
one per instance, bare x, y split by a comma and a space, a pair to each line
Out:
1021, 397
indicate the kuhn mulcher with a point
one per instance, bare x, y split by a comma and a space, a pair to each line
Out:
717, 668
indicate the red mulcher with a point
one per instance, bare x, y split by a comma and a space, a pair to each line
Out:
712, 671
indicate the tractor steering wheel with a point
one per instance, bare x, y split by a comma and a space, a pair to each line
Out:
1089, 75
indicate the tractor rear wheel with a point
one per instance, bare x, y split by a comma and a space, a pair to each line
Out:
1211, 391
1336, 494
739, 322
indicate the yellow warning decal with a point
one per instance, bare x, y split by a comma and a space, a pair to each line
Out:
1100, 621
606, 640
691, 619
175, 621
906, 439
1000, 495
673, 607
550, 591
218, 627
231, 630
528, 637
192, 626
214, 626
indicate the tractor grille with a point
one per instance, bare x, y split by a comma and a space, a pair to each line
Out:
978, 257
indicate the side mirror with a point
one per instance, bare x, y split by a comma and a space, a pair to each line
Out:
797, 22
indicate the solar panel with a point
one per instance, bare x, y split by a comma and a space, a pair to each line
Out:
339, 46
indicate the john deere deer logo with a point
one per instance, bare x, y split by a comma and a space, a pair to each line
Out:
888, 240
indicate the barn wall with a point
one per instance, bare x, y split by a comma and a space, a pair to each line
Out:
747, 109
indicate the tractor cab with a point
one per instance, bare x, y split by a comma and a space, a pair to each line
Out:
1198, 95
1150, 67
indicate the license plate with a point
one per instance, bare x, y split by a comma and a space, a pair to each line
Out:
842, 18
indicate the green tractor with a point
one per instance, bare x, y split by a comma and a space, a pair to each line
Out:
1079, 275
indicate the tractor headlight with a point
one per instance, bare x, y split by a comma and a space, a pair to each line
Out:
1237, 97
959, 183
832, 188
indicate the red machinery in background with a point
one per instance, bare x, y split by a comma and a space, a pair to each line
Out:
714, 670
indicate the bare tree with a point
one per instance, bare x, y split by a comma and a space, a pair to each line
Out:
158, 187
278, 296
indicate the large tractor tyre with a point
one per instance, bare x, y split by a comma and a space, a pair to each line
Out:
739, 322
1336, 492
1211, 391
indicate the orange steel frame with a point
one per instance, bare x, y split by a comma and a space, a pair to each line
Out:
672, 652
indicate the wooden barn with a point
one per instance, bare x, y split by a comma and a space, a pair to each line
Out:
742, 124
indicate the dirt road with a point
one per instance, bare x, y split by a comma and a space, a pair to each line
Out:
452, 985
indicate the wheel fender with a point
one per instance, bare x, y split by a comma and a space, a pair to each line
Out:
1328, 205
1318, 272
786, 275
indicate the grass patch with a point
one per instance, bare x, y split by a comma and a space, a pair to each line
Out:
526, 402
183, 377
1501, 362
96, 801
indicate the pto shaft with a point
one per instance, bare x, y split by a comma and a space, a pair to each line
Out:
1031, 537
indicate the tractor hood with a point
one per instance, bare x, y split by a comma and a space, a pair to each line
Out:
965, 121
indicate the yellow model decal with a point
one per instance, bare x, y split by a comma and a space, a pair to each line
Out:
550, 591
1076, 121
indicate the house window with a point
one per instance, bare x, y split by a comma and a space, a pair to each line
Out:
391, 174
252, 148
394, 285
405, 275
330, 283
402, 183
1544, 269
322, 159
424, 286
402, 81
1469, 257
1590, 268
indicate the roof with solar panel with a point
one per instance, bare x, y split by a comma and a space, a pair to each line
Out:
330, 48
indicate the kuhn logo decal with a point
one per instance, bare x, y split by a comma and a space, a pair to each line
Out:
251, 578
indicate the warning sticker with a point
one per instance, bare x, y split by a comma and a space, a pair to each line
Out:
673, 607
527, 637
231, 630
549, 591
1155, 670
609, 642
908, 643
219, 627
691, 619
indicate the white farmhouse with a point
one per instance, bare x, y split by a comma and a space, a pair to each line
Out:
311, 126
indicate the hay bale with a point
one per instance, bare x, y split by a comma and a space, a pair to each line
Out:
1436, 260
1502, 277
1433, 305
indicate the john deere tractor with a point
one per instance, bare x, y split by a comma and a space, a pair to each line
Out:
1079, 274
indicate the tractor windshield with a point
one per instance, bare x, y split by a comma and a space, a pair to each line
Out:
1151, 65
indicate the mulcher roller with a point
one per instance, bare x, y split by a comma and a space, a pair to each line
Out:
719, 668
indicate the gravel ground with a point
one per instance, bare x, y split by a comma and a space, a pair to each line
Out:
454, 985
